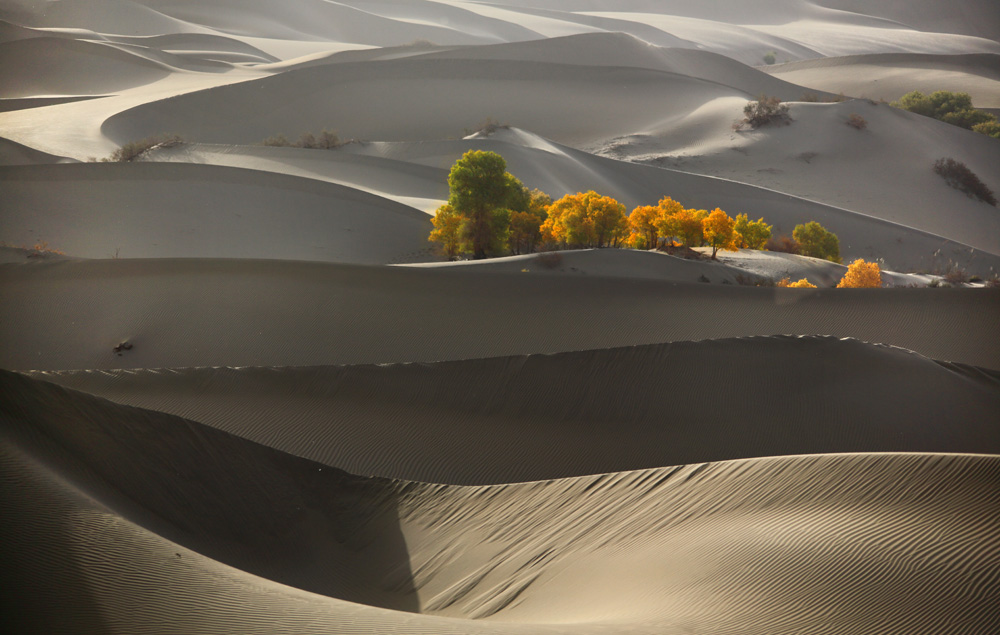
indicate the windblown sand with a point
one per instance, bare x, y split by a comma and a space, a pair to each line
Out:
222, 410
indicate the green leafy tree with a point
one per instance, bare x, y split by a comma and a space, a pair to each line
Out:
816, 241
753, 234
483, 193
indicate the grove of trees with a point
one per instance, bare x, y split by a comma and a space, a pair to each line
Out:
953, 108
491, 213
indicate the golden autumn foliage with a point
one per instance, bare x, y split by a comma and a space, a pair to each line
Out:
642, 223
447, 230
861, 275
799, 284
720, 232
585, 219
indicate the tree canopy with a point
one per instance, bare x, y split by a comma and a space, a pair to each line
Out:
482, 192
861, 275
949, 107
815, 241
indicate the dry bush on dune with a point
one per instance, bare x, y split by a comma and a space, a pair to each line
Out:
856, 121
957, 275
783, 244
326, 140
809, 97
134, 150
486, 127
549, 259
764, 111
960, 177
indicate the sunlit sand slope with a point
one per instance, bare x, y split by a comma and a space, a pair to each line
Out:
133, 521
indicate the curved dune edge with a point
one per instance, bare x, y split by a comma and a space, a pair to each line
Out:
110, 502
195, 312
499, 420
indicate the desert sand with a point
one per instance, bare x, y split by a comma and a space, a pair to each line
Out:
241, 392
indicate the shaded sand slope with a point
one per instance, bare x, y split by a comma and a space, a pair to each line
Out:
161, 506
497, 420
193, 312
61, 66
890, 76
92, 210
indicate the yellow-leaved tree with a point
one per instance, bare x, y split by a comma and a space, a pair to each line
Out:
447, 230
861, 275
642, 223
720, 232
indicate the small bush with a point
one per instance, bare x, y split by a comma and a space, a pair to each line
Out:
278, 141
327, 140
988, 128
959, 176
809, 97
770, 57
549, 259
957, 276
798, 284
783, 244
135, 150
857, 121
861, 275
764, 111
486, 127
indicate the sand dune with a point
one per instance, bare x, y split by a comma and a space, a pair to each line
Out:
497, 420
94, 210
60, 66
890, 76
193, 505
213, 313
231, 416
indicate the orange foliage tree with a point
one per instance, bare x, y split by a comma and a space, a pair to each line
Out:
720, 232
585, 219
861, 275
799, 284
447, 230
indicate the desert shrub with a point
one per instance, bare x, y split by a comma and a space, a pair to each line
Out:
861, 275
770, 57
549, 259
486, 127
988, 128
798, 284
959, 176
809, 97
277, 141
783, 244
328, 140
957, 275
135, 150
764, 111
857, 121
953, 108
994, 282
817, 242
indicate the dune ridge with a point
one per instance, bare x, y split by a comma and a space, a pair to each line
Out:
496, 420
195, 312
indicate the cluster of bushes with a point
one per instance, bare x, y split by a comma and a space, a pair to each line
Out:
953, 108
859, 275
960, 177
327, 140
135, 150
491, 213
